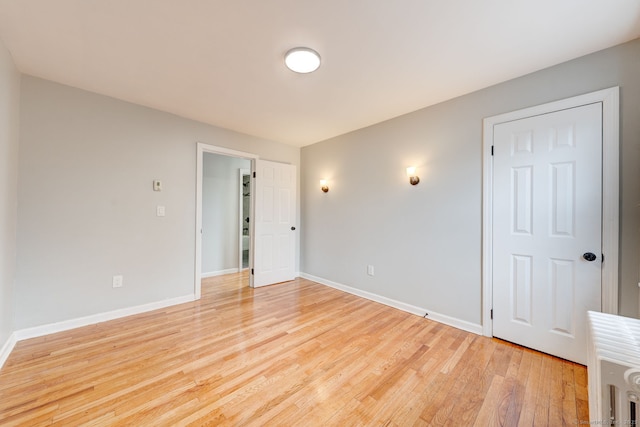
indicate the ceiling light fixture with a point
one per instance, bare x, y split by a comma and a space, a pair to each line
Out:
302, 60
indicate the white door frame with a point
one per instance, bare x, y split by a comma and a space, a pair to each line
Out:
610, 190
241, 174
206, 148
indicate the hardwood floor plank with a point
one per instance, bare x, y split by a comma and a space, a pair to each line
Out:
569, 407
488, 416
296, 353
507, 393
555, 397
512, 416
440, 399
479, 376
582, 399
532, 388
542, 409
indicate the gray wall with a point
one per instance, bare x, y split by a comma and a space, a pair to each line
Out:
425, 241
86, 207
9, 128
220, 216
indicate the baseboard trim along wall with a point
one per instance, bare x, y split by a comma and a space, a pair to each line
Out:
7, 348
219, 273
52, 328
65, 325
441, 318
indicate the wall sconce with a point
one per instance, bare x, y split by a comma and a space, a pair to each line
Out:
411, 173
323, 185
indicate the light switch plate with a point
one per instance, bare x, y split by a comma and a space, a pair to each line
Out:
157, 185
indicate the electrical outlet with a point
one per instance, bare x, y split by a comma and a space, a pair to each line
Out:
370, 271
160, 211
117, 281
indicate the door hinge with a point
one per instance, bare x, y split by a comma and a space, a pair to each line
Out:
492, 314
254, 174
252, 271
492, 150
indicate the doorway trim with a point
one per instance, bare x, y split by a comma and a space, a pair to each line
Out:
610, 191
201, 149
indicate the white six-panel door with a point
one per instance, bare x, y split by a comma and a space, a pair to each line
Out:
275, 223
547, 213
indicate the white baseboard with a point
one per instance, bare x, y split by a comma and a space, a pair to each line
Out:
38, 331
441, 318
219, 273
7, 348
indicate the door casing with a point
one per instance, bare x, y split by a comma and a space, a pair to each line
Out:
610, 191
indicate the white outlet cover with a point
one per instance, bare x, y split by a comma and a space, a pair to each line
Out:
160, 211
117, 281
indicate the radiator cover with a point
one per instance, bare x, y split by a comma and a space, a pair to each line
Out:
613, 366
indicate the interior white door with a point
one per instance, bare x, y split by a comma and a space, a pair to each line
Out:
547, 219
275, 225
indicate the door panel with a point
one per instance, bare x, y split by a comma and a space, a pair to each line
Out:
521, 288
547, 212
275, 185
562, 283
522, 199
562, 199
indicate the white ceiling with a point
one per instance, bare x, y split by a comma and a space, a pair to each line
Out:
221, 61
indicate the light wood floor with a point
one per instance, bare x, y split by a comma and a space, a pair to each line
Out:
293, 354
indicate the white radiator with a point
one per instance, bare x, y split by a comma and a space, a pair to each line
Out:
613, 367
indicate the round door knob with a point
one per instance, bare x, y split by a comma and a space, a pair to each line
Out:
589, 256
293, 229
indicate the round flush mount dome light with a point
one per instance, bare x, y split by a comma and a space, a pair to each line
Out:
302, 60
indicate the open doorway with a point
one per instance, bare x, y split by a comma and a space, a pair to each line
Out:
219, 211
272, 224
221, 202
